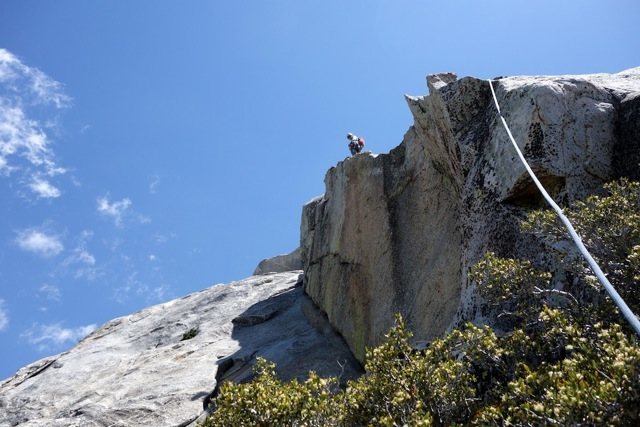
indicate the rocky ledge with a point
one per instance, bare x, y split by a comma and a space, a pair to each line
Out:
160, 366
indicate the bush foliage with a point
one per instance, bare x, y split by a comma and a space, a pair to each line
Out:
191, 333
566, 357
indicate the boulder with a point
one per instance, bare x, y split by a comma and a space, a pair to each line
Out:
280, 263
160, 366
398, 232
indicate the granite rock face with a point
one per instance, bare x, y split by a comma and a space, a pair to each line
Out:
395, 232
280, 263
398, 232
160, 366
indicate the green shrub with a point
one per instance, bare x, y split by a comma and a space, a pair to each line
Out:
267, 401
513, 288
191, 333
610, 228
561, 374
564, 355
389, 393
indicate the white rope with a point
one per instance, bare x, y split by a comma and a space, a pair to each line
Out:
617, 299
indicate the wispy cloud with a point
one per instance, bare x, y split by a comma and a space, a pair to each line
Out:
55, 336
44, 189
4, 316
163, 238
39, 242
81, 260
120, 211
82, 256
151, 294
22, 78
25, 147
143, 219
134, 287
154, 184
50, 292
115, 210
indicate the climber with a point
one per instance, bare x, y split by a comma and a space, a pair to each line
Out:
355, 143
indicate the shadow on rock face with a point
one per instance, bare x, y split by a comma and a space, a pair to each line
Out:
289, 330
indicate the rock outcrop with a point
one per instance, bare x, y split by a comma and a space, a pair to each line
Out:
159, 367
395, 232
398, 232
280, 263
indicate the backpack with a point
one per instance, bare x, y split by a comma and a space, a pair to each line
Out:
361, 142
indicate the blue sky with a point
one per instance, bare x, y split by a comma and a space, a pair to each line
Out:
149, 149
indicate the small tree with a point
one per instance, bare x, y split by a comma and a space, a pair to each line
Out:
610, 228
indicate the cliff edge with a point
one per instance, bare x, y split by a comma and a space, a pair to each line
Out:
398, 232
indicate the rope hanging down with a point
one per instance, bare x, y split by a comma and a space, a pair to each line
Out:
617, 299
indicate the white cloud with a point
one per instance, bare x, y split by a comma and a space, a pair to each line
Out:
83, 256
25, 147
135, 288
159, 293
154, 184
44, 189
21, 136
143, 219
84, 264
4, 168
47, 337
19, 77
163, 238
50, 292
38, 242
4, 316
115, 210
81, 260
